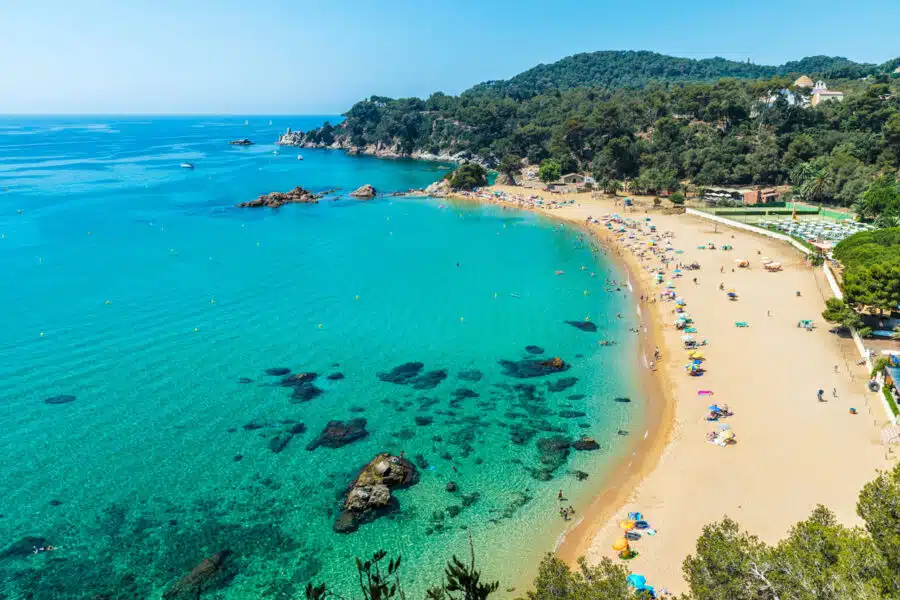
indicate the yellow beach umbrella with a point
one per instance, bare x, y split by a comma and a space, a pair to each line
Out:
620, 544
627, 525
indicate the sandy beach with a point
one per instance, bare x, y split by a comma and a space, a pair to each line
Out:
792, 452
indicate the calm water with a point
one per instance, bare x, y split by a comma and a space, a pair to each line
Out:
136, 287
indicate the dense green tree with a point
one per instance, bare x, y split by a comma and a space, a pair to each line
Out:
882, 196
467, 176
603, 581
510, 166
839, 313
549, 171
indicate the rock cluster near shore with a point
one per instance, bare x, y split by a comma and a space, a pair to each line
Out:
364, 192
298, 195
369, 496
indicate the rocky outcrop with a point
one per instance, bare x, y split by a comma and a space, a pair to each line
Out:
342, 141
369, 496
298, 195
241, 142
364, 192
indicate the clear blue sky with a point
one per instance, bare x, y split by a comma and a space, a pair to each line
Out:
303, 57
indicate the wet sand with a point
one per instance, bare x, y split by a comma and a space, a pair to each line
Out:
792, 451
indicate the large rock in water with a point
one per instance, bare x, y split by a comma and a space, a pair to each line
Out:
298, 195
369, 496
365, 192
530, 367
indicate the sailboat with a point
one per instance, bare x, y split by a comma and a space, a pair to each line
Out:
187, 165
299, 157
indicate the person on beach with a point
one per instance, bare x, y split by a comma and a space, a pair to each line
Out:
821, 395
559, 495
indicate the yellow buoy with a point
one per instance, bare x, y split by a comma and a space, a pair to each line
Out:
587, 318
320, 326
108, 302
42, 334
461, 319
213, 301
196, 330
585, 292
357, 297
89, 233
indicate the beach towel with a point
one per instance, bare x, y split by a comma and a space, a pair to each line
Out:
704, 392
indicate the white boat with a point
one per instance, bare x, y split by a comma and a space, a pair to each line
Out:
187, 165
270, 123
246, 122
274, 151
299, 157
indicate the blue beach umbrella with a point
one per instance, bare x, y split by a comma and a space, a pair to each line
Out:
636, 581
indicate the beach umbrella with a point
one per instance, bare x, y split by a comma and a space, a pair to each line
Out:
636, 581
626, 524
728, 435
620, 544
687, 338
713, 407
724, 426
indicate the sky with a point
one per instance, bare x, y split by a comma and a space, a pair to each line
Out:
301, 57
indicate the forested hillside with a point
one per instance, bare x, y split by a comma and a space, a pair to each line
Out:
658, 131
614, 69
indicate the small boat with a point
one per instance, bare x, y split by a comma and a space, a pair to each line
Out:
299, 157
560, 272
275, 152
187, 165
246, 122
270, 123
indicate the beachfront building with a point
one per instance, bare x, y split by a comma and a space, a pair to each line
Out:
754, 197
574, 182
821, 93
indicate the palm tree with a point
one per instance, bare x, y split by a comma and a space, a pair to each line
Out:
611, 186
816, 186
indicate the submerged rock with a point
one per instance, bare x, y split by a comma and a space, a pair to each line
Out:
423, 421
62, 399
534, 350
338, 433
403, 374
429, 380
622, 400
278, 371
279, 442
587, 326
586, 443
369, 496
530, 367
572, 414
576, 397
470, 375
201, 577
245, 380
22, 548
335, 376
561, 384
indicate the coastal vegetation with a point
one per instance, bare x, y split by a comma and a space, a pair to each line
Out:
467, 177
819, 558
660, 123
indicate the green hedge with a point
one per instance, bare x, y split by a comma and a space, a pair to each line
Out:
890, 399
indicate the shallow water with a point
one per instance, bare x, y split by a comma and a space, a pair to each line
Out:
139, 289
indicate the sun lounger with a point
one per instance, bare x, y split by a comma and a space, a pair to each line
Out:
741, 324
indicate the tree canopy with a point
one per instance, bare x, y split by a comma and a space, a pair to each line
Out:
871, 275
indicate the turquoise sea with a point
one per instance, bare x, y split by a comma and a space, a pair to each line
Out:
147, 308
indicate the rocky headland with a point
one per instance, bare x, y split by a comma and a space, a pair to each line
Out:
380, 150
369, 496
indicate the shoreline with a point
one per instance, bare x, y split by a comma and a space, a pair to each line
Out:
643, 456
766, 373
